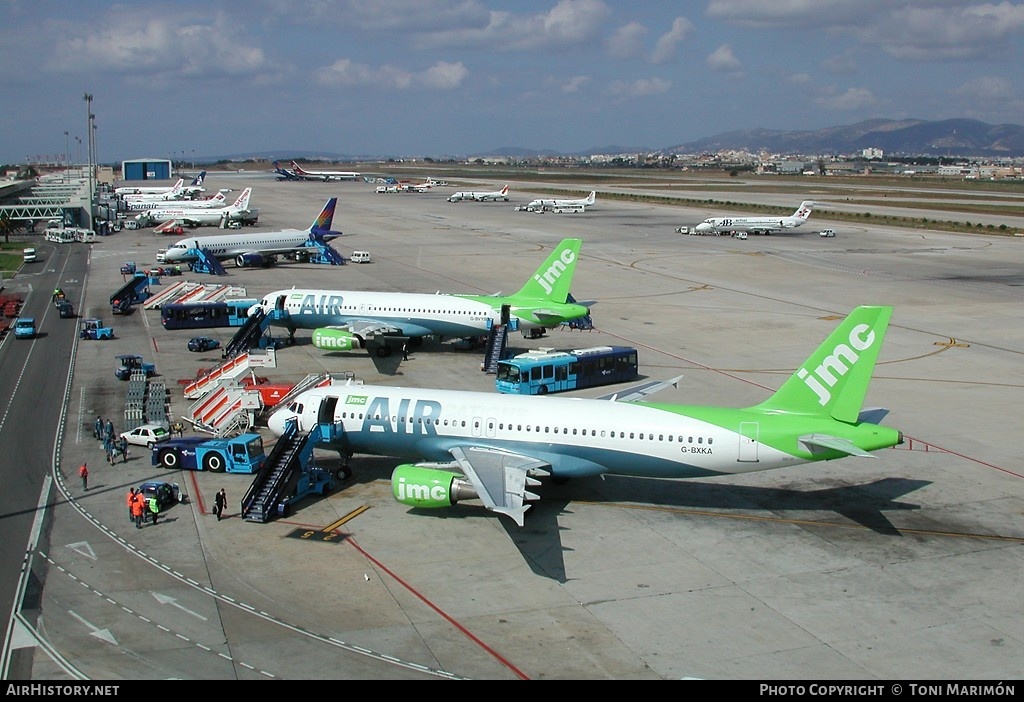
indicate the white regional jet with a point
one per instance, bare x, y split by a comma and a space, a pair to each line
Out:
490, 446
479, 196
559, 205
193, 217
755, 225
257, 248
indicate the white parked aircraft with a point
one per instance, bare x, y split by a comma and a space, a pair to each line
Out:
198, 217
257, 248
479, 196
216, 201
345, 320
559, 205
174, 192
493, 447
325, 175
755, 225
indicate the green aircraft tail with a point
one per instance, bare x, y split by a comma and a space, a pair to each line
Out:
554, 277
834, 380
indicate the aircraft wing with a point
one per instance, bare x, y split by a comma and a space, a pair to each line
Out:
639, 392
368, 328
500, 478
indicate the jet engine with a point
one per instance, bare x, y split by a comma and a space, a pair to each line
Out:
336, 339
428, 488
251, 260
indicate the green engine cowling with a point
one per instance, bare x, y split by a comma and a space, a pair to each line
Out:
336, 339
429, 488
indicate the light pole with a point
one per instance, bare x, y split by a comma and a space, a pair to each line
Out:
87, 97
67, 156
78, 159
193, 162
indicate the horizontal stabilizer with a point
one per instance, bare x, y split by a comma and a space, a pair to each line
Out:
815, 442
872, 415
639, 392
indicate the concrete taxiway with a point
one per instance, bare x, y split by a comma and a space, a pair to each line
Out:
903, 566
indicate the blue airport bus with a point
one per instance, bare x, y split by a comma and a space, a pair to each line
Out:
546, 370
206, 314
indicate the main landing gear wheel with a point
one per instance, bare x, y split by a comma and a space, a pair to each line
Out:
343, 473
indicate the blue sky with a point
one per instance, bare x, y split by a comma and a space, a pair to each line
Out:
459, 77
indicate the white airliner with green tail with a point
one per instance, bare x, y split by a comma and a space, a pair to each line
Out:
469, 445
343, 320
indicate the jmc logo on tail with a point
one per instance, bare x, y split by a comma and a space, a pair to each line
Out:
832, 368
548, 278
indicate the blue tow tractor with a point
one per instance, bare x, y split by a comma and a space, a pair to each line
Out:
94, 330
129, 363
241, 454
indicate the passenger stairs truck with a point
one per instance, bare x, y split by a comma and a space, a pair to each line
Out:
289, 475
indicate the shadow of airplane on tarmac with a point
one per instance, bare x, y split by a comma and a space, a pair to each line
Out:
539, 541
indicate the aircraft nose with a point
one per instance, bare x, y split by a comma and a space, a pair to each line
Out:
277, 421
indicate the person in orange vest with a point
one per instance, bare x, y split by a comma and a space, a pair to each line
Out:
138, 509
131, 501
83, 471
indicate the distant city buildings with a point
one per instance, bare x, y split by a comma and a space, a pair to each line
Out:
864, 162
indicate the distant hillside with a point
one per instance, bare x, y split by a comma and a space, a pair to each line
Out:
954, 137
951, 137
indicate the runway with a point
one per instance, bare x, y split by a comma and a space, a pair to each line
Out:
903, 566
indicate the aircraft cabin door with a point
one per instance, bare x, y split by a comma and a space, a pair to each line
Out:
506, 314
477, 426
325, 417
279, 302
747, 452
489, 428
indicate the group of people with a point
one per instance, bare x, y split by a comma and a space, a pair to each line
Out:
104, 431
142, 509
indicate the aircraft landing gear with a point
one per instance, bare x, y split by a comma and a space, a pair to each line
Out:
344, 472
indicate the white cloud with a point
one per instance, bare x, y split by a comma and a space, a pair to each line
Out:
985, 88
627, 41
345, 72
152, 48
569, 23
639, 88
852, 99
722, 60
575, 84
444, 76
665, 49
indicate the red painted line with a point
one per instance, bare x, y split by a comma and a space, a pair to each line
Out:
468, 634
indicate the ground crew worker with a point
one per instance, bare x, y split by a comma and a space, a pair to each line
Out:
122, 446
97, 428
131, 502
154, 508
138, 509
83, 471
108, 431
